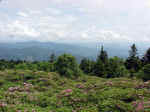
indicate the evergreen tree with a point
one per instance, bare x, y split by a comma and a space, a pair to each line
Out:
144, 73
133, 63
100, 69
116, 68
52, 58
101, 65
86, 65
146, 58
133, 52
103, 56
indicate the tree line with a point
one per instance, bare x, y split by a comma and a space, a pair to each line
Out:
104, 66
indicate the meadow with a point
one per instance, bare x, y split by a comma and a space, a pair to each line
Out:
38, 91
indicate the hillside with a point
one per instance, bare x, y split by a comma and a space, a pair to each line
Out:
42, 50
37, 91
39, 51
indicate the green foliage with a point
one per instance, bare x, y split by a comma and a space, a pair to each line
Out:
52, 58
109, 68
66, 65
133, 63
145, 73
116, 68
22, 66
37, 86
103, 56
133, 51
87, 66
62, 94
100, 68
146, 58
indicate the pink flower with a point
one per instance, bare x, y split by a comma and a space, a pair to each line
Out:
134, 103
18, 111
12, 89
3, 105
68, 90
74, 111
79, 86
140, 107
33, 110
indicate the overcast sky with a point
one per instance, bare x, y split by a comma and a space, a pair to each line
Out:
75, 20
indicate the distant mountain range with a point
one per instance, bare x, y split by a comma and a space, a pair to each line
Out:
34, 50
42, 51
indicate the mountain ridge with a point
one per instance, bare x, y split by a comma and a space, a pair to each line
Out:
40, 51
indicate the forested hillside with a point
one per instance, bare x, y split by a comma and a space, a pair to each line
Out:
104, 66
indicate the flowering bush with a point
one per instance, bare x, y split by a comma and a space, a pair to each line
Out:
50, 92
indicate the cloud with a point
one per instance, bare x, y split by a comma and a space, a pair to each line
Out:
50, 25
22, 14
148, 3
84, 3
37, 25
75, 20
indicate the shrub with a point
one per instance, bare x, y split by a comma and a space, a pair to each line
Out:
116, 68
66, 65
145, 73
2, 81
87, 65
21, 66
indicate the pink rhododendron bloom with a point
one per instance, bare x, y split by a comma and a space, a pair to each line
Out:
3, 105
134, 103
79, 86
68, 90
140, 107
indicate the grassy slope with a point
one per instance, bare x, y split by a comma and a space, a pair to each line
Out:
48, 92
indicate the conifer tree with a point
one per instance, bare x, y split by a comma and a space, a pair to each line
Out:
146, 58
52, 58
133, 62
133, 52
100, 68
86, 65
103, 56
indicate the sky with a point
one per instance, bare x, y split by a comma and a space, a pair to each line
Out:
75, 20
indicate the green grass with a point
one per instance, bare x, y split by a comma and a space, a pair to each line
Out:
50, 92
